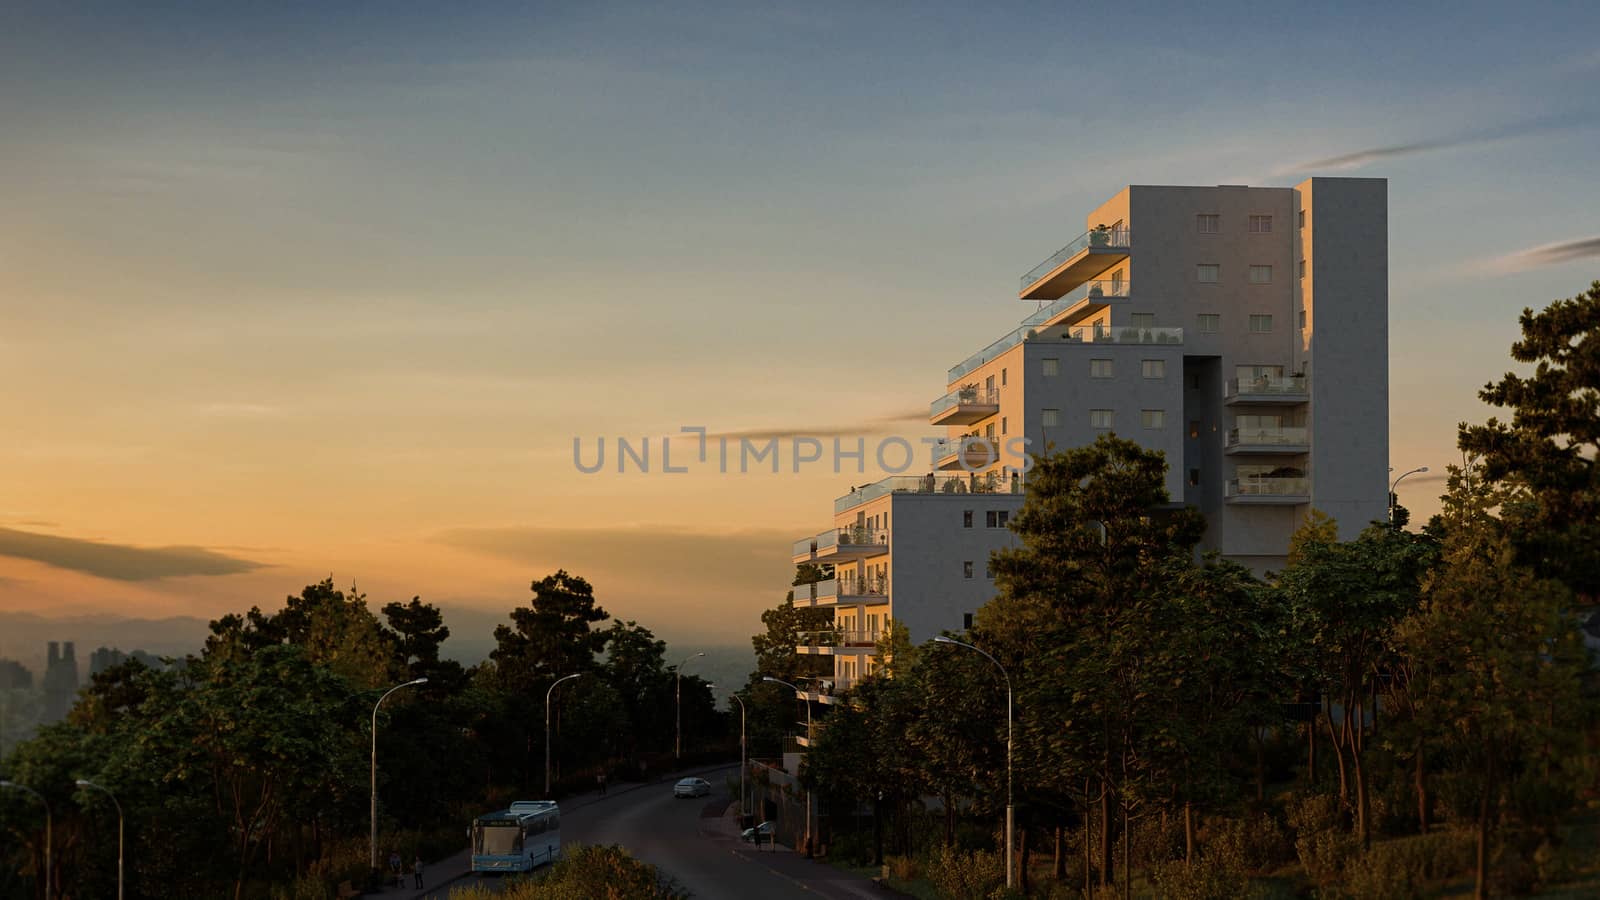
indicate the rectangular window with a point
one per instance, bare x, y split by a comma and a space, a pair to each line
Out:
1260, 224
1210, 323
966, 518
1142, 320
1302, 218
1194, 428
1194, 478
1099, 368
1302, 318
988, 431
1049, 418
1260, 324
1155, 368
1002, 424
1302, 268
1051, 368
1002, 377
1005, 517
966, 569
987, 572
1208, 223
966, 621
1207, 273
1100, 418
1251, 373
989, 519
988, 385
1260, 274
1153, 418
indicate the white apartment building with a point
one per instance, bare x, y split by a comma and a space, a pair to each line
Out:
1241, 331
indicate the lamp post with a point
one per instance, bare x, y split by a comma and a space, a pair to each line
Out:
677, 694
743, 763
1393, 499
372, 836
799, 692
83, 783
547, 694
1010, 809
48, 828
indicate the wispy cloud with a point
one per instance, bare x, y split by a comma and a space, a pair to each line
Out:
880, 425
119, 562
1357, 159
1547, 255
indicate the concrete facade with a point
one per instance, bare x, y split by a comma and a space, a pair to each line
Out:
1241, 331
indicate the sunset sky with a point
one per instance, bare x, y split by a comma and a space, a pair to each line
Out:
292, 290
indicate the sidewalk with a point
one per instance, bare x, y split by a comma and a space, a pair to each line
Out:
438, 875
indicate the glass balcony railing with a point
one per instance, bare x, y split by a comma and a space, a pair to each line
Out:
869, 586
1267, 486
854, 536
956, 483
805, 546
1269, 385
1267, 437
1122, 334
834, 637
966, 397
1094, 238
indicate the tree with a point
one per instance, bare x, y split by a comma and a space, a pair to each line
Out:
552, 636
1553, 439
333, 627
417, 631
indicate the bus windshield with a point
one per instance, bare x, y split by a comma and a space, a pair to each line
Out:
499, 839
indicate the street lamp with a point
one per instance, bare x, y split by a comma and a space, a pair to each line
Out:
1010, 810
372, 842
799, 692
547, 694
1393, 499
83, 783
48, 829
677, 740
743, 762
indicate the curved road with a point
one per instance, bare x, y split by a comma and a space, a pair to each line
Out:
692, 842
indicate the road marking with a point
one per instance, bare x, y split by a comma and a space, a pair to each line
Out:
799, 884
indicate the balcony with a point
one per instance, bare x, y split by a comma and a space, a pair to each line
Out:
951, 485
828, 691
850, 544
1120, 334
964, 406
1283, 440
1268, 490
832, 641
1084, 257
970, 452
869, 591
1281, 390
1088, 297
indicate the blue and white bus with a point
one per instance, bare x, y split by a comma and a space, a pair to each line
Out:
517, 839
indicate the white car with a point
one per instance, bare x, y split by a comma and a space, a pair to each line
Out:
761, 834
692, 787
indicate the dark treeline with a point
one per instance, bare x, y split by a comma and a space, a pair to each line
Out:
243, 771
1385, 716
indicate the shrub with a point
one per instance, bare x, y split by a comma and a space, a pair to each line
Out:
901, 868
1219, 871
1320, 839
1401, 868
959, 875
1257, 840
587, 873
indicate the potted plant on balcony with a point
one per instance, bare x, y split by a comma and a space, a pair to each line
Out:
1095, 290
968, 392
1100, 236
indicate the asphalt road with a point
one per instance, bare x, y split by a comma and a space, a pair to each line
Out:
697, 849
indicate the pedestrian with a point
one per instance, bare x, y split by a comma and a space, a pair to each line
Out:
394, 868
601, 780
416, 869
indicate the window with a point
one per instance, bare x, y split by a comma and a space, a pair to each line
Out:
1116, 283
966, 569
1049, 418
1099, 368
990, 519
1302, 318
1210, 323
1207, 273
1002, 424
988, 385
1260, 324
966, 518
1194, 478
1302, 218
1005, 517
1142, 320
1260, 274
1051, 368
1155, 368
1100, 418
1260, 224
966, 621
1302, 268
987, 572
1002, 377
988, 431
1194, 428
1208, 223
1153, 418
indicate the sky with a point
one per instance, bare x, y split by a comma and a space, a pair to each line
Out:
298, 290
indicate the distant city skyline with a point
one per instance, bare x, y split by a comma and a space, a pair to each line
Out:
294, 291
